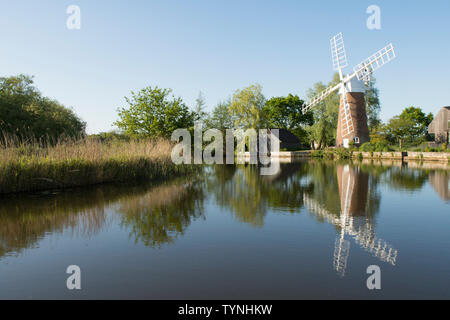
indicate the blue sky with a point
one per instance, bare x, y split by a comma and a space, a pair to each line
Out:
219, 46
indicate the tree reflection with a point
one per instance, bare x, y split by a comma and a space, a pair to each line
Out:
249, 195
240, 189
26, 219
160, 216
407, 179
156, 215
344, 194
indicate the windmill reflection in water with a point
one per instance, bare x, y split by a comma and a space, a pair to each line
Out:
352, 222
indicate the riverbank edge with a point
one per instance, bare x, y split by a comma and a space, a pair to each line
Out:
404, 156
347, 154
57, 175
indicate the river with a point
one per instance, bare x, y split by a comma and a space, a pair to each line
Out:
308, 232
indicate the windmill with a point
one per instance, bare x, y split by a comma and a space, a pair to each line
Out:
352, 122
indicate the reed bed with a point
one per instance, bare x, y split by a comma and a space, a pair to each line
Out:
40, 165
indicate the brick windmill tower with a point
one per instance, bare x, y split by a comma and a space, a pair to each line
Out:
352, 122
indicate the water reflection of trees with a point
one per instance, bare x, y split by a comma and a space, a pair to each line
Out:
248, 195
343, 194
403, 176
163, 214
406, 179
155, 214
26, 219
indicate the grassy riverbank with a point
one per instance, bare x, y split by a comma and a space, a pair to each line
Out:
32, 166
341, 153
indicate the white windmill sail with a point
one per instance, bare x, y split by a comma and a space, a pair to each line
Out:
364, 70
338, 54
346, 118
339, 58
319, 98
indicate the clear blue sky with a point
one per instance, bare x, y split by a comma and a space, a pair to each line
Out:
219, 46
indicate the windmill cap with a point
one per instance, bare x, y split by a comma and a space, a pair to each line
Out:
355, 85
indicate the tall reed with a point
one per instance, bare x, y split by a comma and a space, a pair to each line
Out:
31, 165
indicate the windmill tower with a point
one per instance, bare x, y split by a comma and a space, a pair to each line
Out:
352, 121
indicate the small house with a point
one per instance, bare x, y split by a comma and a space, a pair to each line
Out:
440, 126
288, 141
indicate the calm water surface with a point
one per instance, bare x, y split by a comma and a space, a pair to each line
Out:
309, 232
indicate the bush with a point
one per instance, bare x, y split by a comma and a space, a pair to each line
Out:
108, 137
25, 113
366, 147
343, 153
317, 154
375, 147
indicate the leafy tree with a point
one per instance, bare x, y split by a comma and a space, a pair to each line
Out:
51, 119
409, 127
323, 131
399, 129
378, 134
199, 112
152, 112
220, 117
25, 112
286, 112
373, 106
247, 107
420, 119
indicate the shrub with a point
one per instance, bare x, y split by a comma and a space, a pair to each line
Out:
376, 147
26, 113
366, 147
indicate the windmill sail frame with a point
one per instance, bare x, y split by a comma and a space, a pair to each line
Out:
364, 70
338, 53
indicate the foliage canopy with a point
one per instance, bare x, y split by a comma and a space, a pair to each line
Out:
153, 112
24, 112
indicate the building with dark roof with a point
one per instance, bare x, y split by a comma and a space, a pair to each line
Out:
288, 140
440, 126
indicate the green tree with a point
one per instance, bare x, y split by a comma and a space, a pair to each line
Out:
200, 104
398, 130
51, 119
286, 113
323, 131
409, 127
420, 119
247, 107
220, 117
24, 112
373, 106
152, 112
